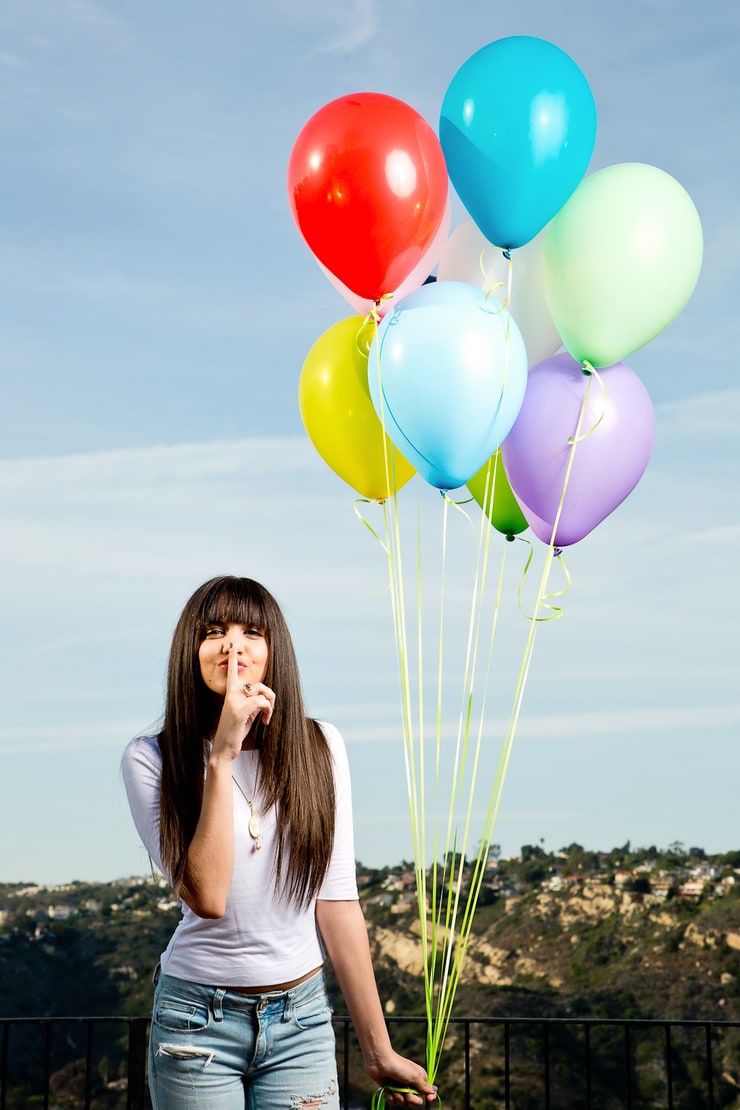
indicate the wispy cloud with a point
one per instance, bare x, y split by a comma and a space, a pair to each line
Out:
359, 24
34, 741
703, 415
575, 726
401, 820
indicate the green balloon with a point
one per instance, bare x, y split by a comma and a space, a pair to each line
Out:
503, 509
621, 259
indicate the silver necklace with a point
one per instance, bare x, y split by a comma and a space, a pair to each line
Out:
254, 824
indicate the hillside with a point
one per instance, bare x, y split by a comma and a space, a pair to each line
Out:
622, 934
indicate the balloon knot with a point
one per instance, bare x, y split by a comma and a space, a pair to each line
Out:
557, 552
374, 313
507, 255
587, 368
510, 537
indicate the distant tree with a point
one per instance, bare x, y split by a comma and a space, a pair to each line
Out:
579, 861
532, 851
533, 871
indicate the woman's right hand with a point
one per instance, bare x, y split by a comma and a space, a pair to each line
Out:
243, 704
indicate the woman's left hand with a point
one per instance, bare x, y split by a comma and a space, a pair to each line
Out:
397, 1071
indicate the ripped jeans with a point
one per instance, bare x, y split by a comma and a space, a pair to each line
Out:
217, 1049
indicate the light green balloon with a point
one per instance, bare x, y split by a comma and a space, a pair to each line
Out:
621, 260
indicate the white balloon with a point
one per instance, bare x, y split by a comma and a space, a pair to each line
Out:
468, 256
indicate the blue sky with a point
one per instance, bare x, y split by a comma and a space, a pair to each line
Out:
156, 306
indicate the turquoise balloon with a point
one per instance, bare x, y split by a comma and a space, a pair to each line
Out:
518, 127
447, 372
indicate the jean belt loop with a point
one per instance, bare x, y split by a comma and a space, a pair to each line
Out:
157, 973
217, 1005
288, 1006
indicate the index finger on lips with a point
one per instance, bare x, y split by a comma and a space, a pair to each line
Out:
232, 671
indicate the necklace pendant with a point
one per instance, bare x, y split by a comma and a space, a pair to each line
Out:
255, 826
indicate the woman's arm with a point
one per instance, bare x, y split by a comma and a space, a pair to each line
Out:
209, 866
342, 927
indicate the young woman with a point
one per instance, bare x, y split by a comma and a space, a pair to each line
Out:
244, 804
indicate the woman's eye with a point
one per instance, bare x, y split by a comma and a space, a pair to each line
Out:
254, 633
214, 630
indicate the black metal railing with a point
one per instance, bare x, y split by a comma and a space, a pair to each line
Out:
488, 1062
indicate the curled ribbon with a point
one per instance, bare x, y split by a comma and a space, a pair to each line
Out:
544, 603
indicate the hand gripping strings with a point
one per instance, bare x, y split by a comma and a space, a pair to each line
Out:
379, 1101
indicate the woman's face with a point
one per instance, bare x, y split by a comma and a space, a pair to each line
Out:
251, 650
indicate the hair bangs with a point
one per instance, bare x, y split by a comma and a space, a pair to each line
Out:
235, 601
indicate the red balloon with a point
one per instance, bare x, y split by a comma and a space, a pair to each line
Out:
367, 184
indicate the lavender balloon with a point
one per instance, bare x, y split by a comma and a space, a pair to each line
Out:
613, 448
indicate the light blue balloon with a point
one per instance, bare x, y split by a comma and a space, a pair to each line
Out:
518, 127
447, 372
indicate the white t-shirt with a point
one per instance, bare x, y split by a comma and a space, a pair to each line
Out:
261, 938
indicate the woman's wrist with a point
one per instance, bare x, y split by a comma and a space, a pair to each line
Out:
220, 760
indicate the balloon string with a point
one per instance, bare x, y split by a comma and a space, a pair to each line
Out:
413, 750
511, 731
458, 505
591, 372
573, 442
492, 284
544, 601
366, 501
373, 314
456, 915
445, 931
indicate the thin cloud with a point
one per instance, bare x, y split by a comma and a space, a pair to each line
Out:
363, 25
402, 819
705, 414
572, 725
50, 16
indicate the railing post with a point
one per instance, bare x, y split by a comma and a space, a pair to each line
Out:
4, 1065
669, 1064
47, 1062
710, 1066
546, 1049
89, 1066
507, 1065
467, 1064
136, 1090
587, 1045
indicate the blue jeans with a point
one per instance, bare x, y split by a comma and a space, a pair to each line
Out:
217, 1049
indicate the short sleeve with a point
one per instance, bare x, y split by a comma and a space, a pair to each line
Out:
340, 882
141, 768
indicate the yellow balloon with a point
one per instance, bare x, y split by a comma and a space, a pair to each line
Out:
339, 416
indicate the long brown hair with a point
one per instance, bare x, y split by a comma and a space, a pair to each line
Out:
295, 761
